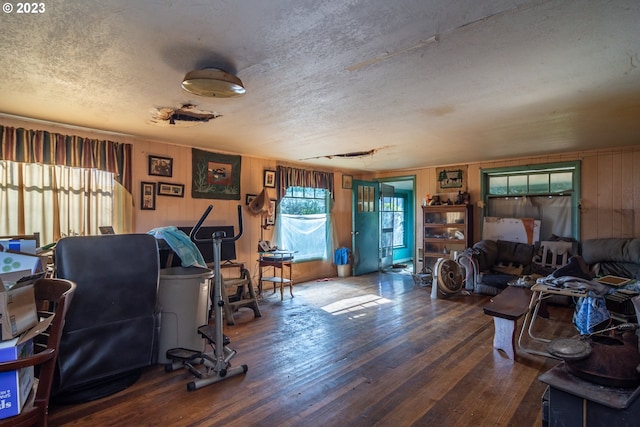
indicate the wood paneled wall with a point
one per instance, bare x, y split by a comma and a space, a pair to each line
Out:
610, 184
186, 211
610, 193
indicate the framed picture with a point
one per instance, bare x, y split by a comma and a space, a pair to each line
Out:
270, 218
270, 178
347, 182
148, 196
249, 198
215, 176
168, 189
160, 166
451, 179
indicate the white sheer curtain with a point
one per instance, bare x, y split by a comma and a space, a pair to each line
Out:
55, 201
306, 234
554, 212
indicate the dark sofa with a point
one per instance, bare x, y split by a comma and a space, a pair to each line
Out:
491, 264
616, 256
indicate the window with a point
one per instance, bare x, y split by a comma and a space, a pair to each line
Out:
304, 222
547, 192
55, 201
393, 212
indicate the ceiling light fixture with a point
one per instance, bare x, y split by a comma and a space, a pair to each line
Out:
213, 83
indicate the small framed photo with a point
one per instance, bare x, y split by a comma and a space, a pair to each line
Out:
249, 198
161, 166
168, 189
270, 219
148, 196
270, 178
347, 182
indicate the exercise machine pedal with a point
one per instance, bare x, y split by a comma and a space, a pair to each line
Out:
208, 332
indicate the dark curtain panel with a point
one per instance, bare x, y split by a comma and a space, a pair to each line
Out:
37, 146
294, 177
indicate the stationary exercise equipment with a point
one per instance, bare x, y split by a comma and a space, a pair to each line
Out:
215, 365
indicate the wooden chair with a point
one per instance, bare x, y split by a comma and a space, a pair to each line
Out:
53, 297
555, 254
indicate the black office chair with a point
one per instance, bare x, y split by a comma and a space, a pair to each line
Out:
112, 328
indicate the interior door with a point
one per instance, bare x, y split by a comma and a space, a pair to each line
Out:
365, 227
386, 226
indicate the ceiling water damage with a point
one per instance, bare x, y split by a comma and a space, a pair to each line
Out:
187, 115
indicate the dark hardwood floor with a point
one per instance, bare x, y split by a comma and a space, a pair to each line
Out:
357, 351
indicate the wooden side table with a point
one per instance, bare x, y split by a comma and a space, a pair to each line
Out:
276, 260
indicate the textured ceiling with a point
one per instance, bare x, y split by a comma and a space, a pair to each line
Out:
419, 82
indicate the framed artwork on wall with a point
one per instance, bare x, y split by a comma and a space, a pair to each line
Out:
270, 218
215, 176
451, 179
249, 198
347, 182
269, 178
160, 166
168, 189
148, 196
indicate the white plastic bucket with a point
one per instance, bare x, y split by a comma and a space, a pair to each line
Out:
344, 270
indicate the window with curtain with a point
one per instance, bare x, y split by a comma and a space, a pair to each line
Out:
62, 185
303, 220
304, 223
55, 201
547, 192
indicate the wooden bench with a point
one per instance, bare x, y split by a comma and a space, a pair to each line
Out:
506, 308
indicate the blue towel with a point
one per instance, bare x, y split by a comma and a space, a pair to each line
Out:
180, 243
590, 312
341, 257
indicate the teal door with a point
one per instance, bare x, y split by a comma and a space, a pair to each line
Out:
365, 227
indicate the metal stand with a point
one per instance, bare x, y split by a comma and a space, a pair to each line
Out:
217, 363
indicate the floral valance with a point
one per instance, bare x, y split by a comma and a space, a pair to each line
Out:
295, 177
37, 146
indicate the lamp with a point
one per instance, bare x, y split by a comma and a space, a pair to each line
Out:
213, 83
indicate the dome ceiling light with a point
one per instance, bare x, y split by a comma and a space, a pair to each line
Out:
213, 83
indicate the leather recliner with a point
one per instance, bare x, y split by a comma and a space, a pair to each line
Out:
112, 326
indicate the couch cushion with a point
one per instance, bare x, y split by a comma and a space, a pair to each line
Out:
612, 250
486, 254
515, 253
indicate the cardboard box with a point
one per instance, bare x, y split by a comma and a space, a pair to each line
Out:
15, 386
26, 246
11, 262
18, 310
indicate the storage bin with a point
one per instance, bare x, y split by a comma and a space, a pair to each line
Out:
183, 295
